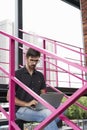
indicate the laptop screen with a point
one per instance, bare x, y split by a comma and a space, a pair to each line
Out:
53, 98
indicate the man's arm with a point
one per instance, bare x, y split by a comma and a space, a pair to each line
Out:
19, 102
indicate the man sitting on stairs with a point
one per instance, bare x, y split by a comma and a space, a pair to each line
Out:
33, 79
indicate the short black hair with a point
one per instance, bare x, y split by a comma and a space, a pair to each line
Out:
32, 52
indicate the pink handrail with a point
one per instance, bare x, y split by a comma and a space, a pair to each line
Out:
61, 69
63, 45
13, 80
67, 103
67, 71
70, 123
49, 39
45, 52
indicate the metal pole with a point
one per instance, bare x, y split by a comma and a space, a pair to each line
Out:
18, 25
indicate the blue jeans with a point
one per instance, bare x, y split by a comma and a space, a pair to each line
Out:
28, 114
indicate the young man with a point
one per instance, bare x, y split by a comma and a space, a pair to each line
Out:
35, 81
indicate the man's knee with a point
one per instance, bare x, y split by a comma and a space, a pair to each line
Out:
46, 112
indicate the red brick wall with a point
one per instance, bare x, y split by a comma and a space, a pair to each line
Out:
83, 4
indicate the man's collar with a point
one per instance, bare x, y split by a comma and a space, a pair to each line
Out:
26, 71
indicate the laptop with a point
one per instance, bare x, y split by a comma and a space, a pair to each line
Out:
52, 98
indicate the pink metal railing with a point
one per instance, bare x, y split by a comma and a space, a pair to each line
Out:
57, 46
64, 45
12, 80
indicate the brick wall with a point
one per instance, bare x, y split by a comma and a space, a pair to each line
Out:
83, 4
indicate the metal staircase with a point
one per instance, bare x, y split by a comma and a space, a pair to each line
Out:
46, 56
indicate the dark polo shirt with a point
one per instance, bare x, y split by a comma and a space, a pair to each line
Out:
35, 82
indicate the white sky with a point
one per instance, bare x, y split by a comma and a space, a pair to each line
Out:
54, 19
6, 9
50, 18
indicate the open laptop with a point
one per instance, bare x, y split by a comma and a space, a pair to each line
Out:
51, 97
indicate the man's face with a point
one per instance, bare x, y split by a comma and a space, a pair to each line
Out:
32, 62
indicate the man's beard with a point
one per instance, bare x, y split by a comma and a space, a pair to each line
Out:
32, 66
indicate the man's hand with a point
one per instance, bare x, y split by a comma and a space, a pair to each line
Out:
31, 103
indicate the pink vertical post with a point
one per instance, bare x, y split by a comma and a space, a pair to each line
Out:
49, 71
81, 65
69, 76
11, 83
44, 61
